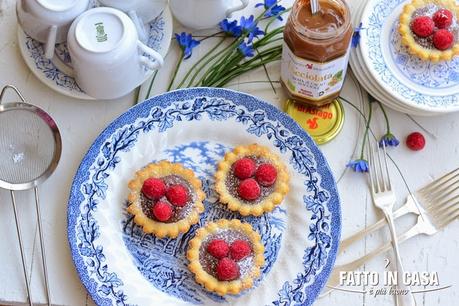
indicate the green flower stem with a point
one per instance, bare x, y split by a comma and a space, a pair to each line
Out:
367, 128
242, 69
210, 36
385, 117
200, 61
151, 85
238, 70
229, 58
221, 56
223, 61
225, 67
200, 68
176, 70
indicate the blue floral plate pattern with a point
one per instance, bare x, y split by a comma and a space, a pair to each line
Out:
57, 73
119, 265
416, 84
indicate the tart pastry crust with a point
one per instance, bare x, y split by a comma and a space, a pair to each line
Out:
408, 38
210, 282
159, 170
267, 204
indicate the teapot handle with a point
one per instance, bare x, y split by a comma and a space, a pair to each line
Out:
237, 8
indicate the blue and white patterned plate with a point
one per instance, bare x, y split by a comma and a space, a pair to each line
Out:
416, 84
58, 74
121, 266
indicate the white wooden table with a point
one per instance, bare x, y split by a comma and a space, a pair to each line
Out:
80, 122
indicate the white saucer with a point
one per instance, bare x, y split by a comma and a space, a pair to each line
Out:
422, 86
58, 74
367, 80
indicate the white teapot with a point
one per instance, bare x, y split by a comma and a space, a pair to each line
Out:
204, 14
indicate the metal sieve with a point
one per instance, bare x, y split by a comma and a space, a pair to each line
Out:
30, 149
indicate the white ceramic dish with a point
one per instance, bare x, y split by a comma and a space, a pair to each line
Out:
417, 84
121, 266
366, 79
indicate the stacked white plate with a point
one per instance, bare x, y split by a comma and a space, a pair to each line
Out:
393, 76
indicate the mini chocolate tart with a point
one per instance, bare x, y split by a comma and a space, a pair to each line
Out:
166, 199
226, 256
251, 180
430, 29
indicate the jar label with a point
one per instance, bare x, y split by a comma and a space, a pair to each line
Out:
312, 80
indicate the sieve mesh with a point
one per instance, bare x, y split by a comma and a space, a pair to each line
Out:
26, 146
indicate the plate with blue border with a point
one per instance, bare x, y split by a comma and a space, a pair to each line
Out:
414, 83
57, 73
120, 265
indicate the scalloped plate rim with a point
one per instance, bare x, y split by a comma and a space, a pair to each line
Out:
128, 117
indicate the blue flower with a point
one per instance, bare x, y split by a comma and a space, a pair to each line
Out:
246, 49
389, 140
249, 26
356, 36
186, 42
272, 8
230, 28
358, 165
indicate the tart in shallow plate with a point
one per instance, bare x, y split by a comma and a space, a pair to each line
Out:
226, 256
165, 199
251, 180
430, 29
120, 265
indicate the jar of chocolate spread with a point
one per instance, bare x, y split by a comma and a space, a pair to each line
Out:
316, 50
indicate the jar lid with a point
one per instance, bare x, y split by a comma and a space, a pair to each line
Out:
322, 123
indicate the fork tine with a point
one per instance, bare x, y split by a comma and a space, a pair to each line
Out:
372, 171
442, 200
387, 167
432, 186
447, 220
381, 171
445, 188
442, 203
443, 212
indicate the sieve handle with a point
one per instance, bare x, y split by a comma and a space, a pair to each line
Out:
12, 88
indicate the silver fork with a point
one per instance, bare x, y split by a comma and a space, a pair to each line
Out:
438, 192
433, 216
384, 198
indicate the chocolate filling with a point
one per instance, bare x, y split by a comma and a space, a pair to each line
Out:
179, 212
208, 262
232, 182
430, 10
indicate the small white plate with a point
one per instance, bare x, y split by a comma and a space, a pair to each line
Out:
58, 74
369, 83
420, 85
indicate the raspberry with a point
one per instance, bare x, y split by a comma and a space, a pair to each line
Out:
153, 188
266, 175
415, 141
240, 249
227, 270
177, 195
443, 18
218, 248
249, 189
422, 26
443, 39
162, 211
244, 168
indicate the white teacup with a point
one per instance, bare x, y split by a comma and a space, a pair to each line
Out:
48, 21
107, 56
204, 14
140, 11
